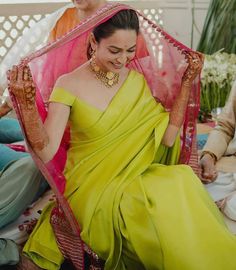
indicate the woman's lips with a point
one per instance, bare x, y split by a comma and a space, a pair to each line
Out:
117, 66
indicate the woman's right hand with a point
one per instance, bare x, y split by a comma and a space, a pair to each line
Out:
208, 169
22, 86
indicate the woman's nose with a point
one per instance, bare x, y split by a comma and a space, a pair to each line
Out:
122, 59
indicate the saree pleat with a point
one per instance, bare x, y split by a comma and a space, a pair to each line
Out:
134, 212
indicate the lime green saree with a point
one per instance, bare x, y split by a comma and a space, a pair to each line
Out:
134, 211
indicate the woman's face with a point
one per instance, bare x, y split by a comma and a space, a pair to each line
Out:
114, 52
86, 4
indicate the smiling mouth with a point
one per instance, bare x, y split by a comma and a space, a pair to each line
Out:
118, 66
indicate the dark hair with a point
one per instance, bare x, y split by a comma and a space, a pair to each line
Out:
123, 20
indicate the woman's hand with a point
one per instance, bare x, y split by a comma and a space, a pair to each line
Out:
195, 60
22, 86
178, 110
208, 168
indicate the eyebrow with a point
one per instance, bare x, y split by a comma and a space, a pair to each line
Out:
117, 48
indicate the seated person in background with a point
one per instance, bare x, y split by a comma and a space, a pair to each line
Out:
10, 130
218, 158
74, 15
21, 183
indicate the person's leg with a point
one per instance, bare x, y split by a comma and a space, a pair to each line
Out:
9, 253
20, 182
8, 155
10, 130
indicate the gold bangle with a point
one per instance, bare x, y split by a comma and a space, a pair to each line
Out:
210, 154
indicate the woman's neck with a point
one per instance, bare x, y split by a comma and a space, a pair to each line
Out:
82, 14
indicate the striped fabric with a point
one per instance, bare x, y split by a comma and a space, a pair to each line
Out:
71, 245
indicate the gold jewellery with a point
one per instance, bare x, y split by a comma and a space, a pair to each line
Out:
108, 78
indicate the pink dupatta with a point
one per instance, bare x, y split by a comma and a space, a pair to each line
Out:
163, 68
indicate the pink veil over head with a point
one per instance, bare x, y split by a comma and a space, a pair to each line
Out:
163, 67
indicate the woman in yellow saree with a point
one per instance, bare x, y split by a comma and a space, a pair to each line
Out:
137, 209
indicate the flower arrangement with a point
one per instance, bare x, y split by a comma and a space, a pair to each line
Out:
217, 77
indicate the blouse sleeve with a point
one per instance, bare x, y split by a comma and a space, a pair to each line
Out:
60, 95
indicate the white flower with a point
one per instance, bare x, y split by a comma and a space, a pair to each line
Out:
217, 77
219, 68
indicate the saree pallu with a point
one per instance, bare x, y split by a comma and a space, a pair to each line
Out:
134, 211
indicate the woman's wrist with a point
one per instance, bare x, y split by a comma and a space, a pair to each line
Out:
211, 154
178, 110
186, 83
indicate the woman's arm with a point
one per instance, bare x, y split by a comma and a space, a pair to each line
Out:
45, 137
178, 110
54, 126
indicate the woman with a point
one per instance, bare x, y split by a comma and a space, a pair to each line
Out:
124, 197
73, 15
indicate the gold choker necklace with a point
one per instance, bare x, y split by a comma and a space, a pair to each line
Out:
108, 78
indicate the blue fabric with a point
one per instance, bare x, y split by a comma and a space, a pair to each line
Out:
9, 253
8, 155
21, 183
201, 140
10, 130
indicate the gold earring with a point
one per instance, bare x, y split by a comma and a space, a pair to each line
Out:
93, 64
91, 52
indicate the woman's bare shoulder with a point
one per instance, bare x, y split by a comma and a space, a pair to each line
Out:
72, 81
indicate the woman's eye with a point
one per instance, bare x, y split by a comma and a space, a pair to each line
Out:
114, 52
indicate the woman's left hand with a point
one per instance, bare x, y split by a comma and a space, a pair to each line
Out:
195, 64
